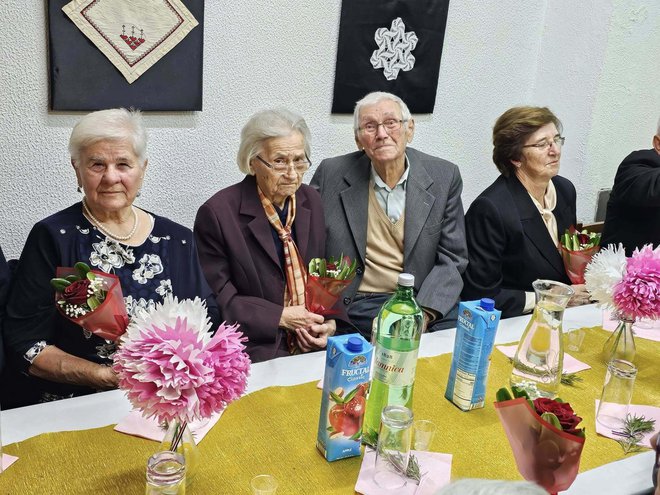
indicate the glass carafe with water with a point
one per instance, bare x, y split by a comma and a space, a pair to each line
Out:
539, 359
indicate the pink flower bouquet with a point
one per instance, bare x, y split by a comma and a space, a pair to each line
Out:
544, 438
91, 299
630, 288
326, 280
577, 250
173, 368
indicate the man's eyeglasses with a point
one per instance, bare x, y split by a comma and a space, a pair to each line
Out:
390, 125
282, 165
544, 145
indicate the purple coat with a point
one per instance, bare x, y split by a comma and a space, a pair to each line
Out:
238, 256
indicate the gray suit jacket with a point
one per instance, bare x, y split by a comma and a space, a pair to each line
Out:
434, 233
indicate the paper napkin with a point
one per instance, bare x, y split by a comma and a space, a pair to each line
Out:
649, 329
649, 412
571, 365
434, 466
135, 424
8, 460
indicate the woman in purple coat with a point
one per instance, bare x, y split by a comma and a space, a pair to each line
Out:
256, 237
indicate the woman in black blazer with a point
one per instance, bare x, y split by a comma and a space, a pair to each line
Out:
513, 227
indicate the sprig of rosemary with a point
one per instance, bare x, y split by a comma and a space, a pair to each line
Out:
634, 428
396, 460
570, 379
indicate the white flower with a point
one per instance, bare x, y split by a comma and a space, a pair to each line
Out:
166, 313
164, 288
138, 307
150, 265
606, 270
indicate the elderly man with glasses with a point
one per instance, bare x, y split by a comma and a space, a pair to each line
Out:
394, 209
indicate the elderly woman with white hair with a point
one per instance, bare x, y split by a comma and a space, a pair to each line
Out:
255, 238
151, 255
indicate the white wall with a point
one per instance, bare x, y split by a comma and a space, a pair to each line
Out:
590, 61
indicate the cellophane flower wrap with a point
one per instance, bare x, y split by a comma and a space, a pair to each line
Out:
628, 286
544, 453
172, 368
326, 280
108, 320
577, 250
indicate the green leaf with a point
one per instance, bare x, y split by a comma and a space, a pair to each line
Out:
93, 303
59, 283
72, 278
502, 395
336, 398
90, 276
357, 435
81, 269
552, 419
322, 269
330, 429
519, 392
350, 395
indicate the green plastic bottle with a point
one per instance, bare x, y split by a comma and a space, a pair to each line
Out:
398, 331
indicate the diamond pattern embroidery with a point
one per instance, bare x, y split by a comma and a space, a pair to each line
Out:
132, 35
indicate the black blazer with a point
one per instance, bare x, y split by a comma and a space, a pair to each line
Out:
509, 246
633, 210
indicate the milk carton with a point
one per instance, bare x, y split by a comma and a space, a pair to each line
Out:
345, 386
475, 335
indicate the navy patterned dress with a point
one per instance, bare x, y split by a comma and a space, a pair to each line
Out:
166, 262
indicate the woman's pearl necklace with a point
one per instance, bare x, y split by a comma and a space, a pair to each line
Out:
100, 226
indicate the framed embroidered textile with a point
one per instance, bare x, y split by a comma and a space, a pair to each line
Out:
389, 45
111, 53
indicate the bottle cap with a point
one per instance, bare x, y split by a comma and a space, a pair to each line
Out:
354, 344
487, 303
406, 280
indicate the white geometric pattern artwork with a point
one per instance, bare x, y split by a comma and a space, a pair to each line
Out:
395, 48
134, 35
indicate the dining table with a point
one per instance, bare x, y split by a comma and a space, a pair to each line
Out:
69, 446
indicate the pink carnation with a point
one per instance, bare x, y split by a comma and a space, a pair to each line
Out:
173, 369
637, 295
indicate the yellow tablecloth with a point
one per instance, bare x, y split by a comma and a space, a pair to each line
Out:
274, 431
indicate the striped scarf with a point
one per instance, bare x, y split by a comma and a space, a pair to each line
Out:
294, 268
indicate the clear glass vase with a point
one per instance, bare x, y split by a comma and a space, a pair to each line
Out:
186, 446
539, 359
621, 342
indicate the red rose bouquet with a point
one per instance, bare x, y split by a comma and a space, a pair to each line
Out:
577, 249
544, 438
91, 299
326, 280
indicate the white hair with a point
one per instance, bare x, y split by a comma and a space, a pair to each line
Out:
474, 486
376, 97
116, 124
265, 125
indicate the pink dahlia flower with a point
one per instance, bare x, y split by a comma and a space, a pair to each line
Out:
637, 295
172, 368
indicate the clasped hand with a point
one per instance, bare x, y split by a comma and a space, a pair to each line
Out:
311, 329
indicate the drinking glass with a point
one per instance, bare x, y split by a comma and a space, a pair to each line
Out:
166, 474
393, 449
423, 432
617, 392
264, 484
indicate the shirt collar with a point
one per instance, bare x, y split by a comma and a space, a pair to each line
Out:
375, 178
550, 199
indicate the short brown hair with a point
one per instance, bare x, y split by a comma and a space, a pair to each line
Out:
511, 130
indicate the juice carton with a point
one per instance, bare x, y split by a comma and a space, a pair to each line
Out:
345, 386
475, 335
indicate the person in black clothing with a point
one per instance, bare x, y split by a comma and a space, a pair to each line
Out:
633, 210
4, 289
